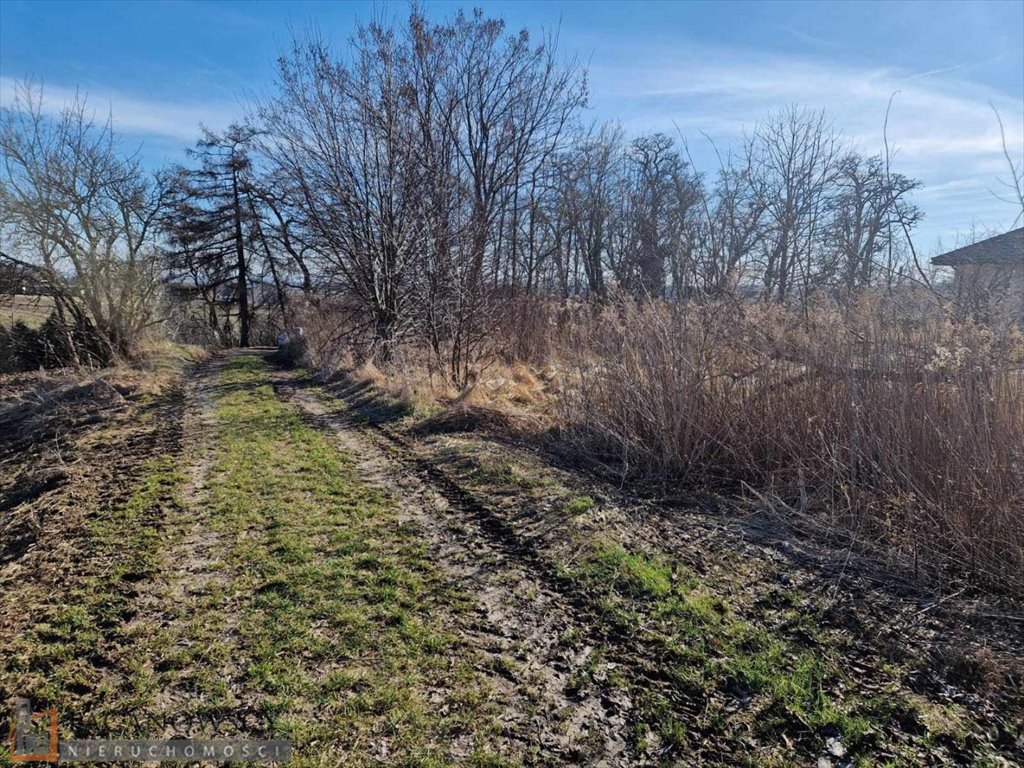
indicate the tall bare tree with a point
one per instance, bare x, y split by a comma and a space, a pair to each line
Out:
867, 205
791, 162
341, 135
411, 158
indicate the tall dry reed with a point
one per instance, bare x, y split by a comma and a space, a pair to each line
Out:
890, 421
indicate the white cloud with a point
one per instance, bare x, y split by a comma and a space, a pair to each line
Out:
134, 116
929, 116
942, 125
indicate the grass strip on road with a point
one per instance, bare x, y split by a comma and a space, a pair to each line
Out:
286, 600
343, 625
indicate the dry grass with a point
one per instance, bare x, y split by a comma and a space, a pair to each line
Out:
904, 428
883, 420
33, 405
498, 392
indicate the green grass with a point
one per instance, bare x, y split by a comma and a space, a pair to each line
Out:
577, 505
323, 619
316, 617
83, 634
344, 645
633, 574
712, 656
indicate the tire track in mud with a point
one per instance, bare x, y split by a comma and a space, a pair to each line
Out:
641, 656
99, 570
525, 611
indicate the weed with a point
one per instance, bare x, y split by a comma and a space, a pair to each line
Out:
577, 505
634, 574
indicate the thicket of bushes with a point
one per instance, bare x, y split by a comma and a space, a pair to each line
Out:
55, 344
903, 428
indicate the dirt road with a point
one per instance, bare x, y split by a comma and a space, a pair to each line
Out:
254, 554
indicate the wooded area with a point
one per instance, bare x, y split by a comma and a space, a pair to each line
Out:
425, 175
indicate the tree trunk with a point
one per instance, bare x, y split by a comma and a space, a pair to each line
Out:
243, 282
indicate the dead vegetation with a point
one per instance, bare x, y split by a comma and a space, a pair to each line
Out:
904, 429
46, 417
584, 623
731, 639
882, 422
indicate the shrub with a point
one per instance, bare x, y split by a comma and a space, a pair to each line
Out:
881, 419
55, 344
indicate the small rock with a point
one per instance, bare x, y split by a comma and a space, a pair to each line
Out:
835, 746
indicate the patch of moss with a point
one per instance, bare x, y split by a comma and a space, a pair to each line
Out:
577, 505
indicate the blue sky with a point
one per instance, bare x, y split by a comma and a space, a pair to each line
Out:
714, 69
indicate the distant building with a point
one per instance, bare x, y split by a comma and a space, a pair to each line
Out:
988, 276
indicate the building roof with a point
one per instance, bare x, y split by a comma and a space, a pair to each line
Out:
1002, 249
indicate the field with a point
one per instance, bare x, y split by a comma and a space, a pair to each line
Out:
222, 546
30, 310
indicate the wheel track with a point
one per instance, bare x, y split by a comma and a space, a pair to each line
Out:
485, 554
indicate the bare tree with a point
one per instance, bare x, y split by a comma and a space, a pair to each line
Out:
514, 107
791, 162
412, 159
1015, 184
868, 206
734, 229
342, 137
80, 216
588, 198
432, 171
